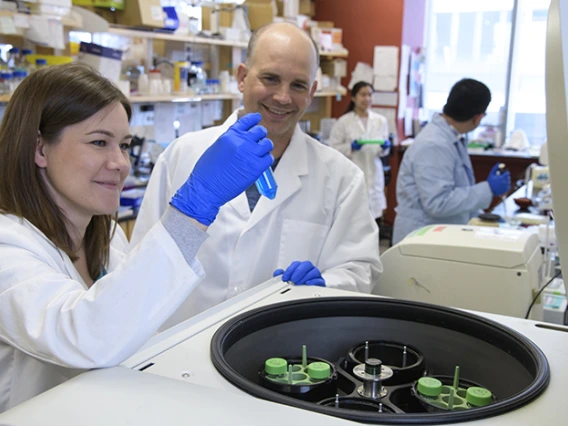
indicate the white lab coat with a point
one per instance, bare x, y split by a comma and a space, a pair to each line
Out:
52, 327
319, 214
350, 127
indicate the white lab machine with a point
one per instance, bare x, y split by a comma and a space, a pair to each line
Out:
173, 381
496, 270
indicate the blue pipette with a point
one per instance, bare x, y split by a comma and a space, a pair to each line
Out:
266, 184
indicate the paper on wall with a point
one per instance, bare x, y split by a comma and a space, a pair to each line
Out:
384, 83
362, 72
402, 106
207, 113
189, 117
385, 98
164, 117
408, 122
385, 61
404, 69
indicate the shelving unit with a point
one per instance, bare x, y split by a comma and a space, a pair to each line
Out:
224, 51
152, 35
197, 98
127, 32
68, 22
182, 98
338, 54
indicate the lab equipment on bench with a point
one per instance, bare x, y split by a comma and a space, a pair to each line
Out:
496, 270
555, 303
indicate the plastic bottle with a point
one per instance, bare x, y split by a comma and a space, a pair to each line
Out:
39, 63
181, 69
24, 63
224, 81
155, 82
213, 86
18, 76
14, 57
6, 84
197, 77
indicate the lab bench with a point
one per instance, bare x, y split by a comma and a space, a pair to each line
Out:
516, 162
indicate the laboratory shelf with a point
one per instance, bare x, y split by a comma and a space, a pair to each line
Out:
70, 22
197, 98
337, 54
128, 32
182, 98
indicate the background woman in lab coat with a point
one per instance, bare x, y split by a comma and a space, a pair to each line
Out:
70, 296
358, 123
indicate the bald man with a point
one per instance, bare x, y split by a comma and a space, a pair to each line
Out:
317, 231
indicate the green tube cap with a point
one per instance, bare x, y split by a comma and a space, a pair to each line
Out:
429, 386
478, 397
319, 370
276, 366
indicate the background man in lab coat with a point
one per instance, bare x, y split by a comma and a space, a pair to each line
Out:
435, 183
317, 231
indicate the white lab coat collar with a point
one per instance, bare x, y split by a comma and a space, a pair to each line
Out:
363, 125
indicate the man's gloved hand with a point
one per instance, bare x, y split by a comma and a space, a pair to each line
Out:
301, 273
356, 146
226, 169
386, 145
499, 183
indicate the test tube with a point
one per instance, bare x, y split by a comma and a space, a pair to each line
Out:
266, 184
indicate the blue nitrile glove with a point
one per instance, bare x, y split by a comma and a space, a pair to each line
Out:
356, 146
387, 144
301, 273
226, 169
499, 183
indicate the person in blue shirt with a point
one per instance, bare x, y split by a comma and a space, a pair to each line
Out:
435, 183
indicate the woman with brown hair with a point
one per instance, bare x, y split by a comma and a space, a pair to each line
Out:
70, 294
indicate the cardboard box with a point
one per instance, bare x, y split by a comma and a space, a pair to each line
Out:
325, 24
327, 39
225, 17
141, 13
305, 7
334, 68
105, 60
260, 12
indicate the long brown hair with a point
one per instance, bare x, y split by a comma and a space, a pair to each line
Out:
46, 102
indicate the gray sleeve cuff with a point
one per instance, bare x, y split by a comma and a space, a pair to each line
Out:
184, 233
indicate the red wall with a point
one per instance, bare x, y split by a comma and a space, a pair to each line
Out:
370, 23
365, 24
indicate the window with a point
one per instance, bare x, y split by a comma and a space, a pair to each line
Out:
473, 39
527, 104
